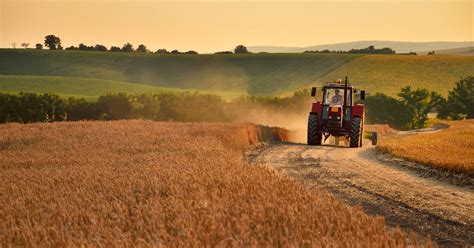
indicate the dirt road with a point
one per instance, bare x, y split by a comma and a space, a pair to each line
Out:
407, 195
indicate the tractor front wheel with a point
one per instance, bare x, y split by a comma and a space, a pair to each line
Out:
355, 134
314, 134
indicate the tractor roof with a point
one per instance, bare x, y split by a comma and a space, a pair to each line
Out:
336, 85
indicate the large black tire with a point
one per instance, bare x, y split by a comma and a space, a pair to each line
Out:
355, 135
314, 135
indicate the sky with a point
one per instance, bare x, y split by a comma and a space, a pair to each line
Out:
209, 26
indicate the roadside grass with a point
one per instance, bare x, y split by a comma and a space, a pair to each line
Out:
143, 183
256, 74
450, 149
388, 73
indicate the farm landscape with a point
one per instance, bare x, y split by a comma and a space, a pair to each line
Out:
134, 146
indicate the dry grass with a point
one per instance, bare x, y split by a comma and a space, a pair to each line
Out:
133, 183
450, 149
381, 129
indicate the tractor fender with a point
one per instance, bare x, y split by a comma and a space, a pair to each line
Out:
316, 108
358, 111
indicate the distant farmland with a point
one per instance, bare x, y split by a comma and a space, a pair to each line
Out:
257, 74
90, 74
388, 73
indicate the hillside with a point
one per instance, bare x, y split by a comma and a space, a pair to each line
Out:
398, 46
258, 74
388, 73
464, 51
88, 88
90, 74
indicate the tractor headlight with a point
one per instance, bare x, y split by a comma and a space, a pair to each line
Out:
330, 117
338, 117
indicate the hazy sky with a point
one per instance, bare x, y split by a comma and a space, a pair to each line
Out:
208, 26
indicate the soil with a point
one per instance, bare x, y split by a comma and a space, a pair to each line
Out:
414, 197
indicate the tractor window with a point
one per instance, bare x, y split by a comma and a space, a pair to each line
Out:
334, 96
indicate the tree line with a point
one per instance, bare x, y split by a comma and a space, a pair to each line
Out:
367, 50
408, 110
183, 107
53, 42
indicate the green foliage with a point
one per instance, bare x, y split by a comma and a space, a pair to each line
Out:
409, 111
460, 103
31, 107
419, 102
383, 109
240, 49
52, 42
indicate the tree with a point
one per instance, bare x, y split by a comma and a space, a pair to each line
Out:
420, 102
100, 48
175, 52
383, 109
115, 49
460, 102
240, 49
71, 48
52, 42
127, 48
39, 46
191, 52
223, 52
142, 49
162, 51
25, 44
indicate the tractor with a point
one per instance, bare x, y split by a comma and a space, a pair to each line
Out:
337, 115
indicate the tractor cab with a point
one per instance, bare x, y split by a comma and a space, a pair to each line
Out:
336, 114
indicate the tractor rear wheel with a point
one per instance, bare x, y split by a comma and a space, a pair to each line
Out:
355, 134
314, 134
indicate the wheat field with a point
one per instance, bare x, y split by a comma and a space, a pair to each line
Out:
142, 183
450, 149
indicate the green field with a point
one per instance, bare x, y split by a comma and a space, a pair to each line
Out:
90, 74
256, 74
88, 88
388, 73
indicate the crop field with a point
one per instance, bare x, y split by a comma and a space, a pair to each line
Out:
257, 74
228, 75
88, 88
450, 149
133, 183
388, 73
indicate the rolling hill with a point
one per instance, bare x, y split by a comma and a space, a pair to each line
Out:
257, 74
88, 88
388, 73
90, 74
398, 46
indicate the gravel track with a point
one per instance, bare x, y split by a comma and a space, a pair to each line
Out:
425, 201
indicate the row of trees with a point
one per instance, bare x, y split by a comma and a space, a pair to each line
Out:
409, 110
185, 107
53, 42
368, 50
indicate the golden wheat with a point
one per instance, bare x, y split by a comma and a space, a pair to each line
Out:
131, 183
450, 149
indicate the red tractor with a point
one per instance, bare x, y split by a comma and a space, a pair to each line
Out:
337, 115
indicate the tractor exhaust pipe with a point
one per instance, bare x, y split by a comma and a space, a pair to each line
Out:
345, 100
